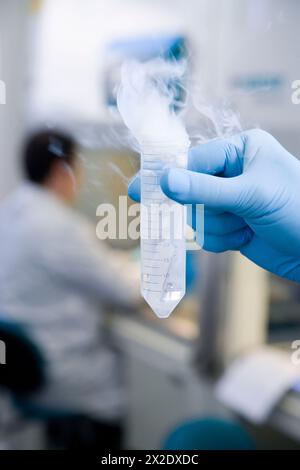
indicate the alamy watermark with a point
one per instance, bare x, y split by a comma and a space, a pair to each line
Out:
296, 92
295, 357
160, 221
2, 353
2, 92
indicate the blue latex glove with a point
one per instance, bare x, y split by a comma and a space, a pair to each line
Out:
250, 186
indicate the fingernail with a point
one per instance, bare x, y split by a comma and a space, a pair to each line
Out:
132, 181
176, 182
134, 188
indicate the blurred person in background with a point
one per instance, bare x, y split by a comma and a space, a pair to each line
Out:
56, 279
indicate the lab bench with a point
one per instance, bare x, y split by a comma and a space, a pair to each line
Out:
165, 388
286, 417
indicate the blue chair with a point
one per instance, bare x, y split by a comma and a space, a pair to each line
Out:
24, 370
24, 374
209, 434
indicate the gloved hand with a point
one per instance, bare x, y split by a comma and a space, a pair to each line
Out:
250, 186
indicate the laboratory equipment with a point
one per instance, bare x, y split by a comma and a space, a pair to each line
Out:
163, 253
172, 48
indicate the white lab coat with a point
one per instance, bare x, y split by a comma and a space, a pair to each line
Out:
54, 278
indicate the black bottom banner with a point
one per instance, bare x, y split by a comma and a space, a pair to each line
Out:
135, 459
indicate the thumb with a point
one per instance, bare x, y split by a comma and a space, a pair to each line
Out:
188, 187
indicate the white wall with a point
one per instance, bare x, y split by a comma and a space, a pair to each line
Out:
12, 54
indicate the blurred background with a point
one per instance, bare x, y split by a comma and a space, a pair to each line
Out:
60, 63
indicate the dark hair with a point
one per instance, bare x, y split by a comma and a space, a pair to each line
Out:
43, 149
